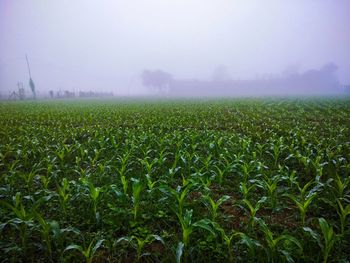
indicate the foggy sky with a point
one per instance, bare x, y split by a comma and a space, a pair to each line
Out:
104, 45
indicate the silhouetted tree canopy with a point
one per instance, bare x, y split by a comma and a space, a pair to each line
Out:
157, 79
329, 68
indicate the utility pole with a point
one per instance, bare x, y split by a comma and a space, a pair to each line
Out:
31, 82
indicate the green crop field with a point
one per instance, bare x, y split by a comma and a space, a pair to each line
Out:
246, 180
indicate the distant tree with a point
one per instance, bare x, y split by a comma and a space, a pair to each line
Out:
323, 79
329, 75
51, 94
291, 71
158, 80
147, 78
329, 68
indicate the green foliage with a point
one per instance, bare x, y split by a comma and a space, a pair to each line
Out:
136, 192
213, 206
87, 252
343, 213
253, 209
304, 199
329, 238
139, 242
177, 180
273, 249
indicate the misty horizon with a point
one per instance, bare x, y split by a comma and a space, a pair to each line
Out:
105, 47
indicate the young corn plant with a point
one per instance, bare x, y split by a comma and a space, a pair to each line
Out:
291, 178
276, 150
202, 177
273, 249
97, 153
329, 238
341, 186
137, 187
245, 188
317, 165
177, 156
59, 236
304, 199
179, 195
123, 164
207, 162
172, 172
125, 184
187, 227
228, 239
214, 205
270, 187
162, 156
23, 219
94, 194
45, 181
343, 212
139, 243
45, 231
219, 173
149, 166
150, 184
28, 178
252, 210
246, 168
123, 170
64, 194
88, 252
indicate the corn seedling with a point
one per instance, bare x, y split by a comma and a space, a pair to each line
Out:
121, 168
214, 205
304, 200
136, 191
64, 194
88, 252
343, 212
327, 242
252, 210
179, 195
187, 227
273, 243
139, 242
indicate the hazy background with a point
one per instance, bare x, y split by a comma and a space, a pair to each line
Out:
104, 45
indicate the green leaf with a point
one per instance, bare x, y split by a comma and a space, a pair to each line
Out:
158, 238
246, 240
313, 234
287, 256
205, 224
290, 239
179, 251
97, 245
223, 199
74, 246
127, 239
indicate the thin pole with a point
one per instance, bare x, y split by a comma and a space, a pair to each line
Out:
30, 76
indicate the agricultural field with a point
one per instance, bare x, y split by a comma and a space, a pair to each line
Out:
241, 180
